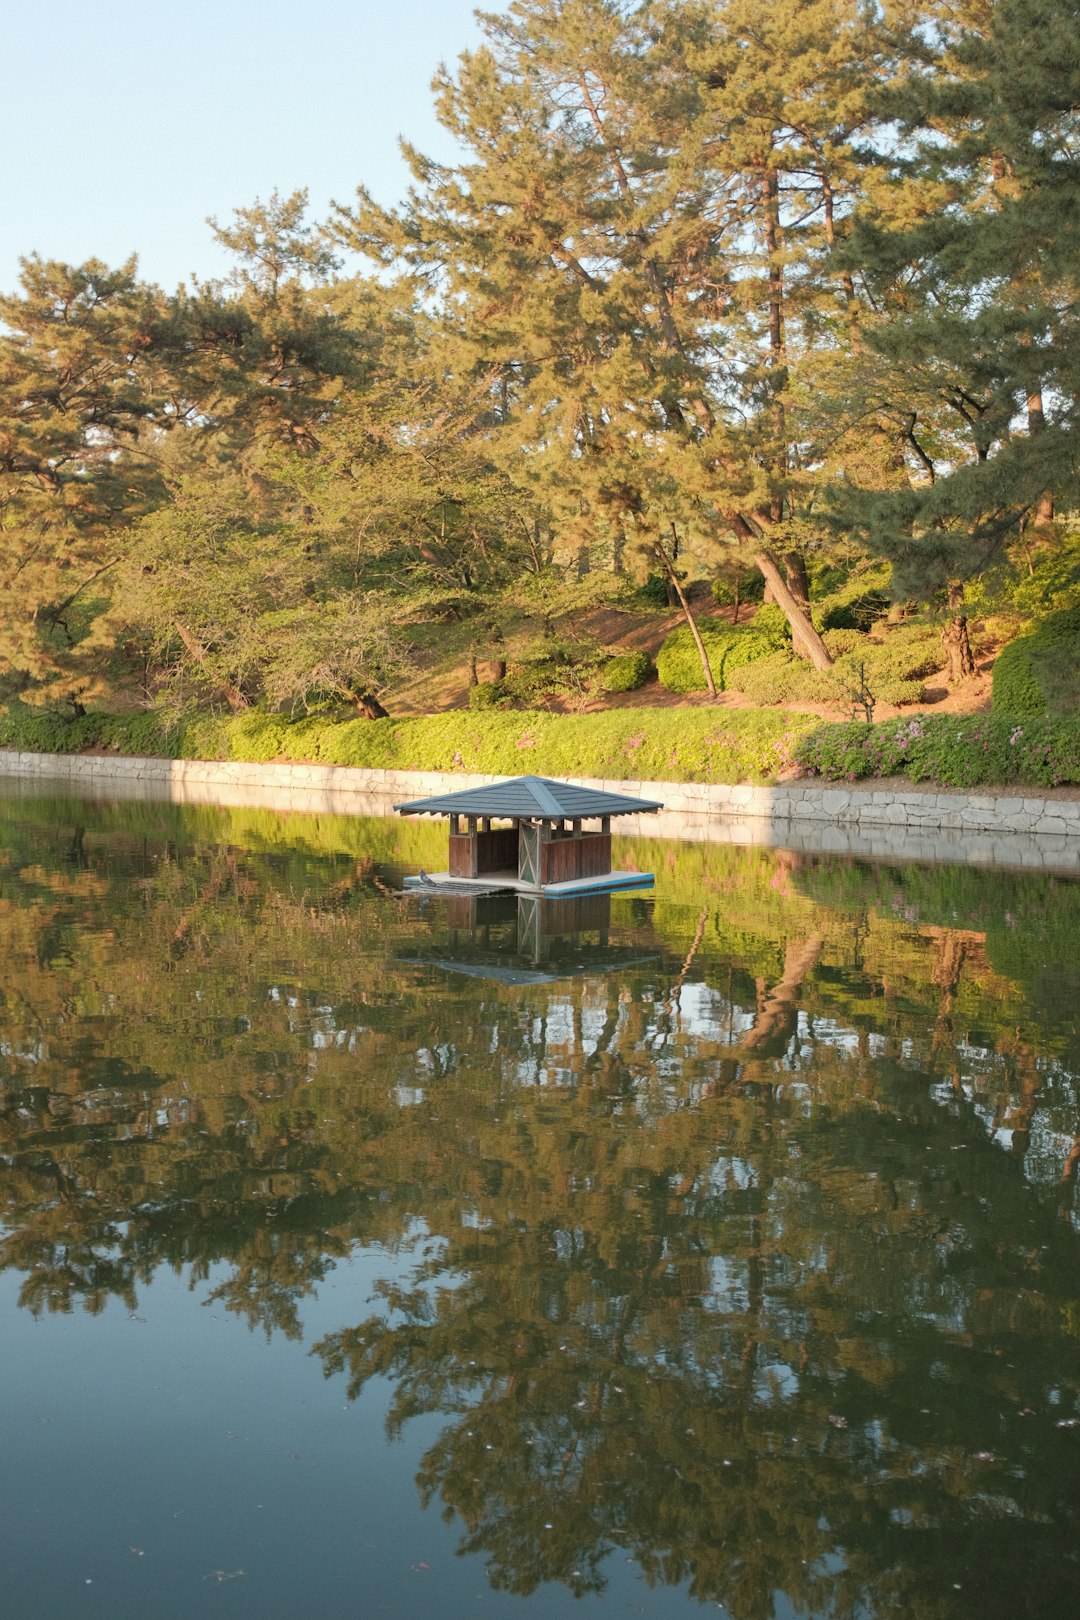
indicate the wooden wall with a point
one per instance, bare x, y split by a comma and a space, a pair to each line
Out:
473, 854
564, 859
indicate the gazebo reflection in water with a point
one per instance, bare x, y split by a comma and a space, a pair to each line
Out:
526, 938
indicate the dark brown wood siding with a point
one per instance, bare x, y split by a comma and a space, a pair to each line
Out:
473, 854
462, 855
565, 859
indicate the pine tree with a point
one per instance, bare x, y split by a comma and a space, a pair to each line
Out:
971, 251
265, 350
635, 245
81, 387
227, 584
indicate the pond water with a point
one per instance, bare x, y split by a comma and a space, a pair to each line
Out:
364, 1255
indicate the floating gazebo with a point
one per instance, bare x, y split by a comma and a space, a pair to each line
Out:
545, 849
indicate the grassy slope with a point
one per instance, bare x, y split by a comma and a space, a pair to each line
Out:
703, 744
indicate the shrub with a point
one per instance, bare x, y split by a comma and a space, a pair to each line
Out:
727, 647
1040, 674
770, 620
43, 731
690, 745
751, 588
855, 613
783, 678
895, 669
702, 744
842, 641
853, 604
957, 751
552, 667
489, 695
626, 671
653, 592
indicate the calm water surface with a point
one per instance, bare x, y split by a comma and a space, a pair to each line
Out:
367, 1256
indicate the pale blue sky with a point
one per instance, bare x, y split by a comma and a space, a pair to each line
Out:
124, 123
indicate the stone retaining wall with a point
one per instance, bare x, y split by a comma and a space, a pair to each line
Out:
1017, 830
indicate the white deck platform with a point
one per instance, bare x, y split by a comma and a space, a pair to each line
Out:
509, 881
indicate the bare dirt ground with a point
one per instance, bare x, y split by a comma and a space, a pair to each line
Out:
436, 688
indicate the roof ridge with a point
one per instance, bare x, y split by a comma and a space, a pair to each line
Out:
546, 800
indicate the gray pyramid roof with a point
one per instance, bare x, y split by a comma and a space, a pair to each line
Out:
539, 796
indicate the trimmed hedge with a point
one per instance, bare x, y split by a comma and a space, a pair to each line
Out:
691, 745
727, 647
1040, 674
488, 695
955, 750
625, 672
895, 669
41, 731
686, 745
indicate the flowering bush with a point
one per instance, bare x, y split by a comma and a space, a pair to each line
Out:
687, 745
957, 751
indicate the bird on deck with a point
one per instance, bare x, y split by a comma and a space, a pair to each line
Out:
430, 882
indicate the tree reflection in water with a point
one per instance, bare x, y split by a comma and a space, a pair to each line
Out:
741, 1239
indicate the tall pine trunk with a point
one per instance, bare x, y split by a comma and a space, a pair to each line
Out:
805, 639
955, 639
790, 590
1044, 507
235, 698
797, 577
674, 582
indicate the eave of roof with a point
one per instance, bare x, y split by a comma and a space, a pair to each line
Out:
521, 797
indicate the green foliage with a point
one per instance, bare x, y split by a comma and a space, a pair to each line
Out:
783, 678
728, 648
968, 243
1040, 674
895, 669
897, 665
80, 351
749, 583
690, 745
653, 591
698, 745
858, 612
43, 731
693, 745
849, 599
956, 751
559, 668
770, 621
489, 695
1037, 577
626, 671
